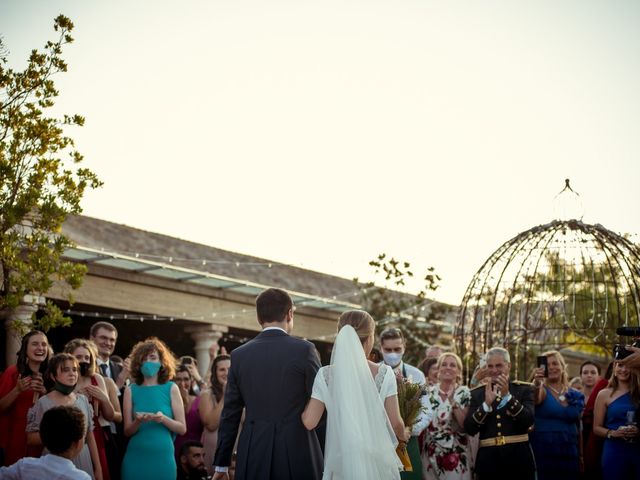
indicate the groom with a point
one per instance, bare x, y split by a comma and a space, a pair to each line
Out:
271, 377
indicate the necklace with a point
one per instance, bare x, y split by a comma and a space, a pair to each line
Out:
560, 393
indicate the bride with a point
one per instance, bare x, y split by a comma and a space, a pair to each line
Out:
361, 398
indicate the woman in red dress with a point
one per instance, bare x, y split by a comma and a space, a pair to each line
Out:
20, 387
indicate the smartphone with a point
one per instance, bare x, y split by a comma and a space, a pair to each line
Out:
542, 363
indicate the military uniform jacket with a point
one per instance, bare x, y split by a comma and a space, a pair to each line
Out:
272, 378
508, 460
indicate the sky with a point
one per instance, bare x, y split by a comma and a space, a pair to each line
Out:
322, 133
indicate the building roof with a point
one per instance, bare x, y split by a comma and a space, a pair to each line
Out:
102, 235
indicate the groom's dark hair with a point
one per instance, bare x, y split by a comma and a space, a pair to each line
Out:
272, 305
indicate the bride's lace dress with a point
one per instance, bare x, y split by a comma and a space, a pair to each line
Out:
360, 443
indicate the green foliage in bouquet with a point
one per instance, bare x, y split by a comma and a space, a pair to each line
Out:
409, 400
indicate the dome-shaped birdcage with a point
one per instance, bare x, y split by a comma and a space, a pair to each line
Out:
563, 284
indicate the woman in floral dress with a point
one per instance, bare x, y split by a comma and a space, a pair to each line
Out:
446, 453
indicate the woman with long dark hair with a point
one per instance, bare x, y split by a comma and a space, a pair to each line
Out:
210, 408
185, 381
21, 386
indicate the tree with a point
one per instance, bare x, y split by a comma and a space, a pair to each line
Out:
41, 181
421, 320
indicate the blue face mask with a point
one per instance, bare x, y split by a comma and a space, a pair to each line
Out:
150, 369
392, 359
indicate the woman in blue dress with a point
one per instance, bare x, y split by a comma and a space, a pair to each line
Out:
614, 418
153, 414
555, 441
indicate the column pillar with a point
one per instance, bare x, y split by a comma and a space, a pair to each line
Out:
14, 319
204, 337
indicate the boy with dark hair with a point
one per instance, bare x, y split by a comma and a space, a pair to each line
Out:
62, 430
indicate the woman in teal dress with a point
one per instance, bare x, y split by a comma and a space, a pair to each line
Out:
153, 414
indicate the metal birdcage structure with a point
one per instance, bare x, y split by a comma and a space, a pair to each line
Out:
563, 284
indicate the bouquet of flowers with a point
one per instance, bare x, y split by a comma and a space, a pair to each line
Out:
409, 399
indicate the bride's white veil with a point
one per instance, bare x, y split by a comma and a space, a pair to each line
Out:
360, 443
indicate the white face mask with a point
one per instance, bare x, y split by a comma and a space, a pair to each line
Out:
392, 359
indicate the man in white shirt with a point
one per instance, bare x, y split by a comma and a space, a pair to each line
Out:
392, 346
62, 430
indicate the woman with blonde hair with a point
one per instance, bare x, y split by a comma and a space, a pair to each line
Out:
615, 419
103, 399
555, 441
153, 413
361, 399
446, 450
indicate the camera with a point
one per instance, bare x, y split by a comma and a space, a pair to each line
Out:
619, 350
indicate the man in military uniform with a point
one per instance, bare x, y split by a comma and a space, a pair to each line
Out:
502, 412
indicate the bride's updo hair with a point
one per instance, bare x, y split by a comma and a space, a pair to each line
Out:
361, 321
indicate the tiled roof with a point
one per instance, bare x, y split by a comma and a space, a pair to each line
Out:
112, 237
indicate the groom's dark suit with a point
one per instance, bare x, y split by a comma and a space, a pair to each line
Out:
272, 377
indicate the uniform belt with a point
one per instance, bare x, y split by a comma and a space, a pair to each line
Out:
502, 440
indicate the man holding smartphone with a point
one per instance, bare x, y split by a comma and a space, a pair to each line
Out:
502, 412
633, 360
631, 355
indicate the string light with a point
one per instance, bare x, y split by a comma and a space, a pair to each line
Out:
202, 261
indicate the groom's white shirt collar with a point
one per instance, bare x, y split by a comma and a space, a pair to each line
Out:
275, 328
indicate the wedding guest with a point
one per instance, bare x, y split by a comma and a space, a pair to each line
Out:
63, 370
105, 403
392, 345
375, 356
63, 431
633, 360
433, 351
20, 387
555, 439
480, 373
589, 375
446, 453
576, 384
615, 420
191, 402
191, 461
117, 360
105, 336
429, 367
211, 405
592, 443
153, 413
192, 365
502, 412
